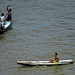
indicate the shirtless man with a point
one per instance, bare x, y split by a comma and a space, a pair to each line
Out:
56, 59
9, 15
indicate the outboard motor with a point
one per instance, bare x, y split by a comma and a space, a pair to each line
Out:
2, 26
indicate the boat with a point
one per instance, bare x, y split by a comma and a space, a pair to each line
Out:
5, 27
44, 63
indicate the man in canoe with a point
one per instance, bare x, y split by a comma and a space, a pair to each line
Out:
56, 59
9, 15
2, 18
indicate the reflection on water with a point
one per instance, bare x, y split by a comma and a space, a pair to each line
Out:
58, 70
1, 37
40, 28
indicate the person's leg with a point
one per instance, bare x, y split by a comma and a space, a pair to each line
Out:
51, 61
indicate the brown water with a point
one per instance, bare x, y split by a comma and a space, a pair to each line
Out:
40, 28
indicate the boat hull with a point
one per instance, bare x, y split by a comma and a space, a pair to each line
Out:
44, 63
6, 27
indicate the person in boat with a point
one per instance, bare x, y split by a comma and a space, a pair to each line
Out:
9, 15
2, 18
56, 59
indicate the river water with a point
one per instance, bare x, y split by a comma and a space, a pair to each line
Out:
40, 28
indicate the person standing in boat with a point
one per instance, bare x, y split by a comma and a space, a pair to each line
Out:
56, 59
9, 15
2, 18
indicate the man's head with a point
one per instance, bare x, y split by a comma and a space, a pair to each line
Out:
56, 54
2, 14
10, 10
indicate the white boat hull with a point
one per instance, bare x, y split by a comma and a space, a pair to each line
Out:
43, 63
5, 27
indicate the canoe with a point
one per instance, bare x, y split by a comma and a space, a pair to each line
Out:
43, 63
5, 27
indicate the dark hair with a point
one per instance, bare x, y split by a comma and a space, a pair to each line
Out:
56, 53
10, 10
2, 14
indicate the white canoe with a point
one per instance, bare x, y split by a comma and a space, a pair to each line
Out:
6, 26
43, 63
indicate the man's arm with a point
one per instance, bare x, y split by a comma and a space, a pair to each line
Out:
4, 20
7, 8
58, 58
